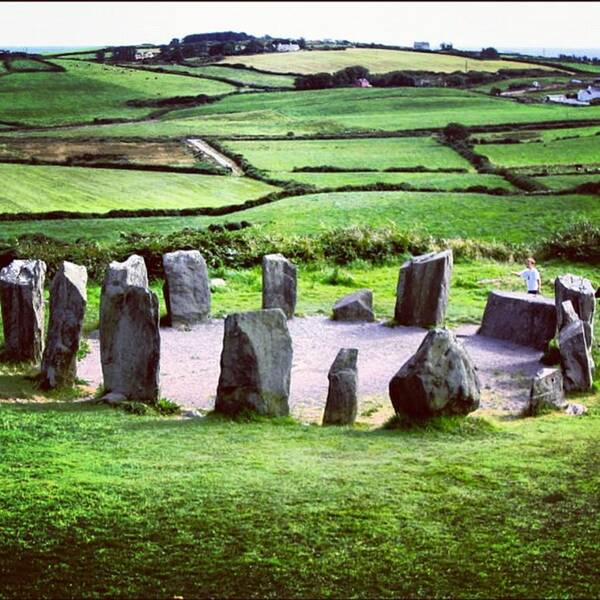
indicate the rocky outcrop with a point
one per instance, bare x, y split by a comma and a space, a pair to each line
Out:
357, 306
546, 392
68, 299
342, 400
186, 289
129, 334
440, 379
575, 358
525, 319
256, 363
423, 288
279, 284
22, 299
581, 293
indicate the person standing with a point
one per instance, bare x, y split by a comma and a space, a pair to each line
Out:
531, 276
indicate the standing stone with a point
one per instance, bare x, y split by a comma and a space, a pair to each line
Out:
342, 402
279, 284
256, 364
186, 288
575, 358
440, 379
546, 392
129, 334
68, 299
566, 314
357, 306
580, 292
525, 319
22, 298
423, 288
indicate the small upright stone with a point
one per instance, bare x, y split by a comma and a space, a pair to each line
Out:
68, 299
186, 288
423, 288
342, 402
546, 392
566, 314
22, 298
129, 334
357, 306
256, 364
279, 284
580, 292
575, 358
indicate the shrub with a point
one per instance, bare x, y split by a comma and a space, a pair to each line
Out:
579, 241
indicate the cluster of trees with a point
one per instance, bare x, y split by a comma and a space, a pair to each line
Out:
579, 59
343, 78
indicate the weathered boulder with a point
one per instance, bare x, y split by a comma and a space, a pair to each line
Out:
546, 392
357, 306
256, 363
423, 288
581, 293
566, 314
575, 358
440, 379
129, 334
68, 299
525, 319
186, 288
342, 401
279, 284
22, 298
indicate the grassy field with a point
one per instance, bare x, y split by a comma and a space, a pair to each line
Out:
377, 61
89, 90
581, 66
350, 154
563, 182
26, 64
524, 81
545, 135
98, 190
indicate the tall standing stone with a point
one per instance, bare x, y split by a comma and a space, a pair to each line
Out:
22, 298
186, 288
342, 401
68, 299
580, 292
129, 334
423, 288
575, 358
279, 284
256, 364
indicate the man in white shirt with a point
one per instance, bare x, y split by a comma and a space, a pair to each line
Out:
531, 277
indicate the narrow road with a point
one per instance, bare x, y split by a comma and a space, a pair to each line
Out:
219, 158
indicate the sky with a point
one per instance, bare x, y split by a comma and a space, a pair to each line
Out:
465, 24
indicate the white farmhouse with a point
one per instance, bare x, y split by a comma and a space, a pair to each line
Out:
287, 47
143, 53
592, 92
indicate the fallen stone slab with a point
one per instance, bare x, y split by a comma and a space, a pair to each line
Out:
342, 400
22, 299
422, 290
357, 306
439, 379
547, 392
186, 288
256, 364
525, 319
575, 358
279, 281
68, 300
129, 334
581, 293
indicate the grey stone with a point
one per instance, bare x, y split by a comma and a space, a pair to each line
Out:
279, 284
129, 334
113, 398
423, 288
581, 293
573, 409
256, 363
525, 319
439, 379
575, 358
22, 298
357, 306
68, 299
342, 401
546, 391
566, 314
217, 282
186, 288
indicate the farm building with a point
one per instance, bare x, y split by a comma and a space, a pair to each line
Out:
362, 83
592, 92
421, 46
287, 47
144, 53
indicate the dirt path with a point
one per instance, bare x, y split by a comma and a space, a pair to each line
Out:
190, 363
219, 158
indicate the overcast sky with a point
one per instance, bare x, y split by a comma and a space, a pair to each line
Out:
469, 24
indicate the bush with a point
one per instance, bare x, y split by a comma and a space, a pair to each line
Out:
579, 241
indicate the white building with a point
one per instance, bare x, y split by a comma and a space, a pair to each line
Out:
592, 92
143, 53
287, 47
421, 46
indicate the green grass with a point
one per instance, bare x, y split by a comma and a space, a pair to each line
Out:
89, 90
29, 188
581, 66
350, 154
21, 64
377, 61
563, 182
525, 81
